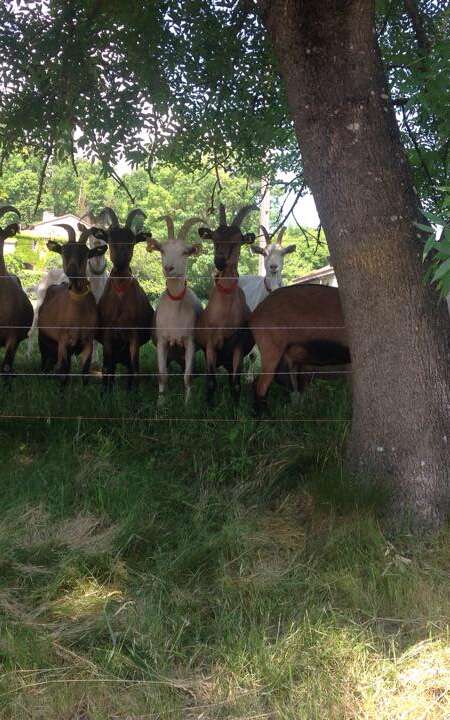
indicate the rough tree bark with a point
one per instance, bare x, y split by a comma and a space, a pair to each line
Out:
355, 166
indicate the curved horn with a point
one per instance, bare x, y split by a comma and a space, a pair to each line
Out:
222, 214
9, 208
132, 215
266, 234
242, 214
280, 235
109, 212
70, 231
186, 226
170, 227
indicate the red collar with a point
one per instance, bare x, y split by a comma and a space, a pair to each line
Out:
120, 287
269, 289
226, 290
180, 296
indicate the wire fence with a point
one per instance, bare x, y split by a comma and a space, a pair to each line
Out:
131, 328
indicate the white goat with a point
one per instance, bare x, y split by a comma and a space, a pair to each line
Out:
256, 287
178, 306
96, 274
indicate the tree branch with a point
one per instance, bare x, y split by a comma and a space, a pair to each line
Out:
42, 177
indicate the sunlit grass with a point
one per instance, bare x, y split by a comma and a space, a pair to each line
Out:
205, 569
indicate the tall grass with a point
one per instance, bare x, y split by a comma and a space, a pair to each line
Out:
194, 568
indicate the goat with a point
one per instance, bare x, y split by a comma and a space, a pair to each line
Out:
16, 310
68, 318
96, 275
256, 287
125, 314
178, 307
221, 329
296, 326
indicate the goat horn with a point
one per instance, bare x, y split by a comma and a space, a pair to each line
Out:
107, 211
9, 208
222, 214
70, 231
186, 226
242, 214
84, 233
132, 215
170, 226
280, 235
266, 234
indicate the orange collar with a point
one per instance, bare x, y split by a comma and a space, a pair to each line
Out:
180, 295
79, 295
224, 289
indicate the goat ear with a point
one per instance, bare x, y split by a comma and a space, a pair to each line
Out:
54, 246
248, 238
10, 230
142, 237
153, 244
258, 250
97, 251
205, 233
194, 249
99, 233
289, 249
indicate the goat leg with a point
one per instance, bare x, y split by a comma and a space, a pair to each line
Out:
236, 373
133, 377
211, 382
86, 358
270, 360
188, 367
108, 368
63, 363
7, 364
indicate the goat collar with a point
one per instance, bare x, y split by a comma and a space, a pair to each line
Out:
121, 286
224, 289
79, 295
180, 295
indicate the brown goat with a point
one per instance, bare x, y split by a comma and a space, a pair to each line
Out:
68, 316
16, 311
221, 329
296, 326
125, 314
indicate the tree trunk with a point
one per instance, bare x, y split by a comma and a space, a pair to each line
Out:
356, 168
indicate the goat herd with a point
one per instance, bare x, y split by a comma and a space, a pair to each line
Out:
293, 327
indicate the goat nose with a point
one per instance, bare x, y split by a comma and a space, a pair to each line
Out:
273, 268
168, 268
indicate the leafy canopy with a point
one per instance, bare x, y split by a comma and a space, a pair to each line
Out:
183, 80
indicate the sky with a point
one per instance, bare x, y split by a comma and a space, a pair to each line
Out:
305, 212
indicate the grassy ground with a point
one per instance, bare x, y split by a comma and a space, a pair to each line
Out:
191, 569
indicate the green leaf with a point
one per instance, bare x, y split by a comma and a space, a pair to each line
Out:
442, 270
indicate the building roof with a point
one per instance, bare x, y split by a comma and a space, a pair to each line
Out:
55, 220
326, 271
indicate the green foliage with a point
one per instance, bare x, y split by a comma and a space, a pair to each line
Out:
182, 81
438, 251
417, 59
